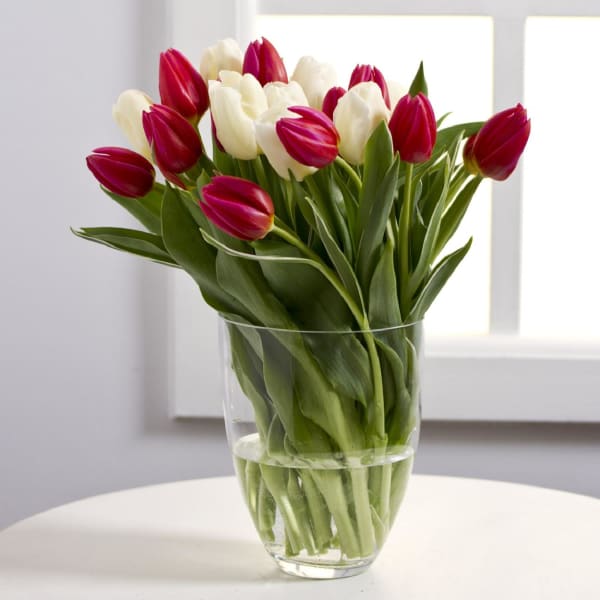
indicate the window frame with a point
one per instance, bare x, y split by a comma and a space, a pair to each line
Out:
500, 376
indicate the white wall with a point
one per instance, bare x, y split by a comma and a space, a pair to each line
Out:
83, 406
82, 329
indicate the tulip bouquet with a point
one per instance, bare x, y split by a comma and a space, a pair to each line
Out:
320, 209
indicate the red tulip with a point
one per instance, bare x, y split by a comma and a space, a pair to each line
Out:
181, 87
331, 99
370, 73
263, 61
238, 206
495, 151
121, 171
413, 128
312, 139
175, 144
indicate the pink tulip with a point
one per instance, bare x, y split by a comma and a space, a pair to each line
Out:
175, 144
239, 207
413, 128
495, 151
263, 61
370, 73
181, 87
331, 99
312, 139
121, 171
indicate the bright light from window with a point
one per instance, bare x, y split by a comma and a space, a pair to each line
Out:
561, 203
457, 53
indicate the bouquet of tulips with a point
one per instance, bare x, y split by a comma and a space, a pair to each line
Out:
320, 209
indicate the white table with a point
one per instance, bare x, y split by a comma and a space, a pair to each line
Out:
454, 539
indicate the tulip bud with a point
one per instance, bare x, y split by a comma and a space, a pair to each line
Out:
281, 95
363, 73
312, 139
413, 128
175, 144
315, 78
270, 143
235, 103
127, 113
225, 55
263, 61
495, 151
239, 207
121, 171
181, 86
356, 116
330, 100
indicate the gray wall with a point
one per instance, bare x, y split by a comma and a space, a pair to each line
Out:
83, 329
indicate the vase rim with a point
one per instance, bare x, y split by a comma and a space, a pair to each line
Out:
320, 331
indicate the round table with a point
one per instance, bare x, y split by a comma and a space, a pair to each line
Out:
454, 539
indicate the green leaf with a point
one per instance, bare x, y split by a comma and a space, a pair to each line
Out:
140, 243
261, 258
246, 283
379, 156
248, 369
337, 418
186, 245
418, 84
455, 212
296, 285
350, 200
392, 374
436, 281
384, 308
337, 208
445, 137
145, 209
339, 260
426, 255
375, 226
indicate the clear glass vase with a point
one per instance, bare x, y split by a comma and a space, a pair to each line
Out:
323, 427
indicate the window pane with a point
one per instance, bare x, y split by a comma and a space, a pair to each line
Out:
561, 210
457, 53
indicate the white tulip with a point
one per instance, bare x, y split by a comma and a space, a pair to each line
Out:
225, 55
235, 103
282, 95
274, 150
396, 91
316, 78
127, 113
356, 116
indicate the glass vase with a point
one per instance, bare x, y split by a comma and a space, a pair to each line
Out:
323, 427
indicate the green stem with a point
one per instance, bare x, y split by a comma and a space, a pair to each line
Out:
349, 171
404, 241
266, 513
274, 478
362, 508
331, 486
301, 511
456, 183
319, 513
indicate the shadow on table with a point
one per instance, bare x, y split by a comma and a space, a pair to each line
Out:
138, 555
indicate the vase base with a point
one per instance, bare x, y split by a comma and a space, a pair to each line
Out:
314, 570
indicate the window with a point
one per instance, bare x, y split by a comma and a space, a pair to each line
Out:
516, 334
